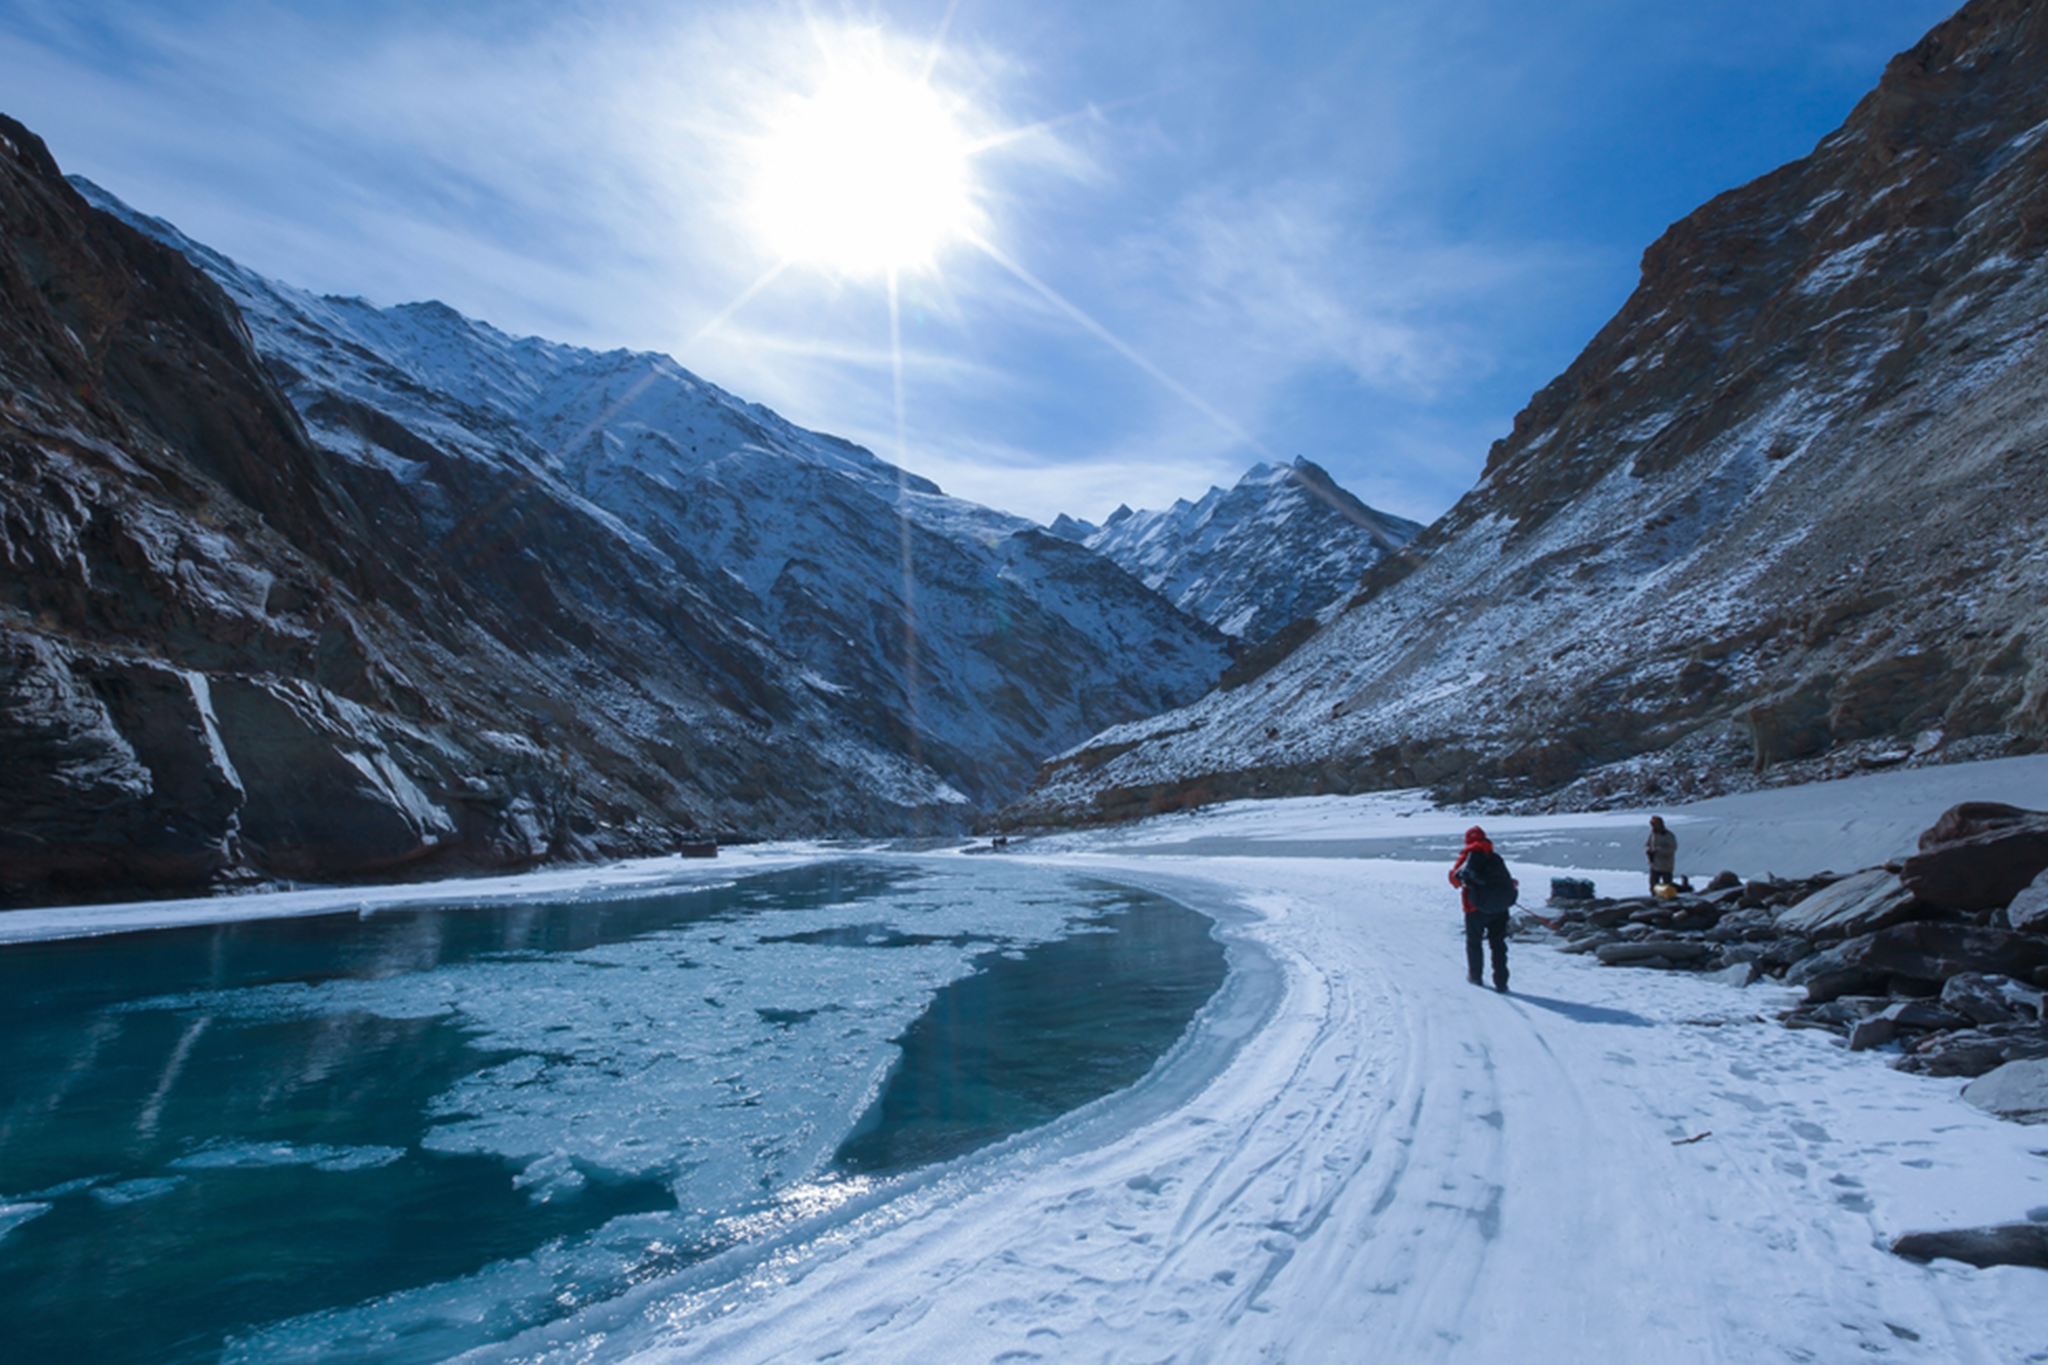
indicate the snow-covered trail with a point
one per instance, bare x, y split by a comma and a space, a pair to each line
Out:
1393, 1165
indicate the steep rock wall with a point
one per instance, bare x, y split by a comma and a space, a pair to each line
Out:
1785, 513
226, 654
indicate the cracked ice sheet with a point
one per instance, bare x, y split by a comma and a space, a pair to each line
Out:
1393, 1157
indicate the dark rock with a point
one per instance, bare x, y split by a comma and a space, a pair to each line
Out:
1599, 938
1642, 951
1974, 819
1698, 917
1725, 881
1982, 871
2028, 912
1923, 1016
1848, 1010
1973, 1052
1745, 926
2005, 1244
1758, 894
329, 795
1861, 904
2017, 1090
1926, 951
1984, 999
1786, 951
1875, 1031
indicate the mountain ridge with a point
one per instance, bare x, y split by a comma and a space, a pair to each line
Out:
1284, 543
1780, 518
311, 614
823, 546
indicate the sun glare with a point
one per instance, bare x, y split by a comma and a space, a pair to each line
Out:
867, 175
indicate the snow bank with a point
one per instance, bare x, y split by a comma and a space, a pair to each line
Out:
607, 882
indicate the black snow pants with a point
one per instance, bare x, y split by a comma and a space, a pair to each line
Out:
1487, 927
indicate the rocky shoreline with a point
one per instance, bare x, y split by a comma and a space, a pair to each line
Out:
1940, 957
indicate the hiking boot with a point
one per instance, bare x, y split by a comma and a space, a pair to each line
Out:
1500, 984
1474, 979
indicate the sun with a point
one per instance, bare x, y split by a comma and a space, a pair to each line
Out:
868, 174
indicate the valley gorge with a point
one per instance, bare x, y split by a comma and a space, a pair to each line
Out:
297, 587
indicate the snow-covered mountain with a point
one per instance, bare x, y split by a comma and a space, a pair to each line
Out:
963, 638
1283, 544
1789, 507
404, 595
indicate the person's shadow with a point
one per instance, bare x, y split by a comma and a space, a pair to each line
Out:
1584, 1014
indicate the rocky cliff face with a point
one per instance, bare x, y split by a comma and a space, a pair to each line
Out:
375, 592
962, 640
1784, 514
1285, 543
226, 652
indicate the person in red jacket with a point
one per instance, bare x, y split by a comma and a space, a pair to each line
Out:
1482, 878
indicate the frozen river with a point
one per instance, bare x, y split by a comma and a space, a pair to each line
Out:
1346, 1154
399, 1133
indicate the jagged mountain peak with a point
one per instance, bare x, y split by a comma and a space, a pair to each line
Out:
1283, 543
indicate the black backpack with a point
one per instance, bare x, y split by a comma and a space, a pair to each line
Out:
1486, 878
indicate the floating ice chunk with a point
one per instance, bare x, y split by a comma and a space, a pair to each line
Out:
135, 1191
229, 1155
13, 1216
552, 1177
59, 1191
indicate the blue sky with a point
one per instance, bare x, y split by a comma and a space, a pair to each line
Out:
1208, 233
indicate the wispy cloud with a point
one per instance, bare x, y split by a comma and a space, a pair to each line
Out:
1363, 232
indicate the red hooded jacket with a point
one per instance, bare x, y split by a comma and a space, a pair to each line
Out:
1475, 838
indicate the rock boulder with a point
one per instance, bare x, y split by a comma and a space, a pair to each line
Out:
1982, 871
1990, 999
2006, 1244
2028, 912
1924, 951
1861, 904
1972, 819
2017, 1091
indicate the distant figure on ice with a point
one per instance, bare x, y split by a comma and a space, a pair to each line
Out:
1489, 891
1662, 846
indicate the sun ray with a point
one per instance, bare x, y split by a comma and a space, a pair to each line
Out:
938, 43
910, 679
1091, 110
1117, 344
724, 314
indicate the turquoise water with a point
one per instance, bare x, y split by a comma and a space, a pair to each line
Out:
396, 1136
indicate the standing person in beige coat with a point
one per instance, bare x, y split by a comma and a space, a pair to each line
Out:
1662, 846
